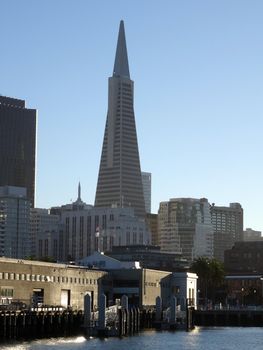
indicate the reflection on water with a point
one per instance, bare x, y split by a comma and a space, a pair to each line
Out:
199, 338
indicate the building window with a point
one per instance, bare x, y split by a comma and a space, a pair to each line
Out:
7, 292
111, 241
46, 248
81, 230
40, 253
96, 223
55, 248
104, 222
89, 224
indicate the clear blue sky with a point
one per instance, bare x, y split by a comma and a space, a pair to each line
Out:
198, 72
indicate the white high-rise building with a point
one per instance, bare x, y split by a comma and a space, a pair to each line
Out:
185, 227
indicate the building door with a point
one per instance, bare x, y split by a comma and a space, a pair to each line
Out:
38, 297
65, 297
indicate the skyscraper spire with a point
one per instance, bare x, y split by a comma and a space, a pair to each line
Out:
120, 181
79, 192
121, 65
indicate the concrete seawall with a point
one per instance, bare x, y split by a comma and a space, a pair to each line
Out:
228, 318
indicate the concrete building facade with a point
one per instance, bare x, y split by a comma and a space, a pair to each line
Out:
152, 223
143, 286
185, 227
244, 257
119, 180
17, 145
228, 227
38, 283
98, 229
44, 232
184, 286
252, 235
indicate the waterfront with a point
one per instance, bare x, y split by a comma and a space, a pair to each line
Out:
200, 338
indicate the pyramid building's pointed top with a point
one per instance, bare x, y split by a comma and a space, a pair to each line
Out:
121, 64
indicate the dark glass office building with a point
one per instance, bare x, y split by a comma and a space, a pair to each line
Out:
17, 145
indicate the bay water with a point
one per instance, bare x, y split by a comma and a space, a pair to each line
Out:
232, 338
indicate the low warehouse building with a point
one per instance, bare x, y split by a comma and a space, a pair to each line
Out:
38, 283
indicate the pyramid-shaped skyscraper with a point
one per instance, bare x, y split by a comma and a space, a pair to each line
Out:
119, 181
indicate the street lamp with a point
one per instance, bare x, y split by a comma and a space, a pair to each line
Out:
255, 296
242, 296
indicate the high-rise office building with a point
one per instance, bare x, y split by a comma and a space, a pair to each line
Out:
14, 222
184, 226
44, 232
147, 190
252, 235
228, 227
152, 223
120, 182
17, 145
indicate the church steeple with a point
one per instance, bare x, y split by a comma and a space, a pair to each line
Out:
121, 64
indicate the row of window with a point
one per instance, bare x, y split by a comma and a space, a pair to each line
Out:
157, 284
7, 292
151, 284
44, 278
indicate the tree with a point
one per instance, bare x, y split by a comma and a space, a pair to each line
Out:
210, 274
